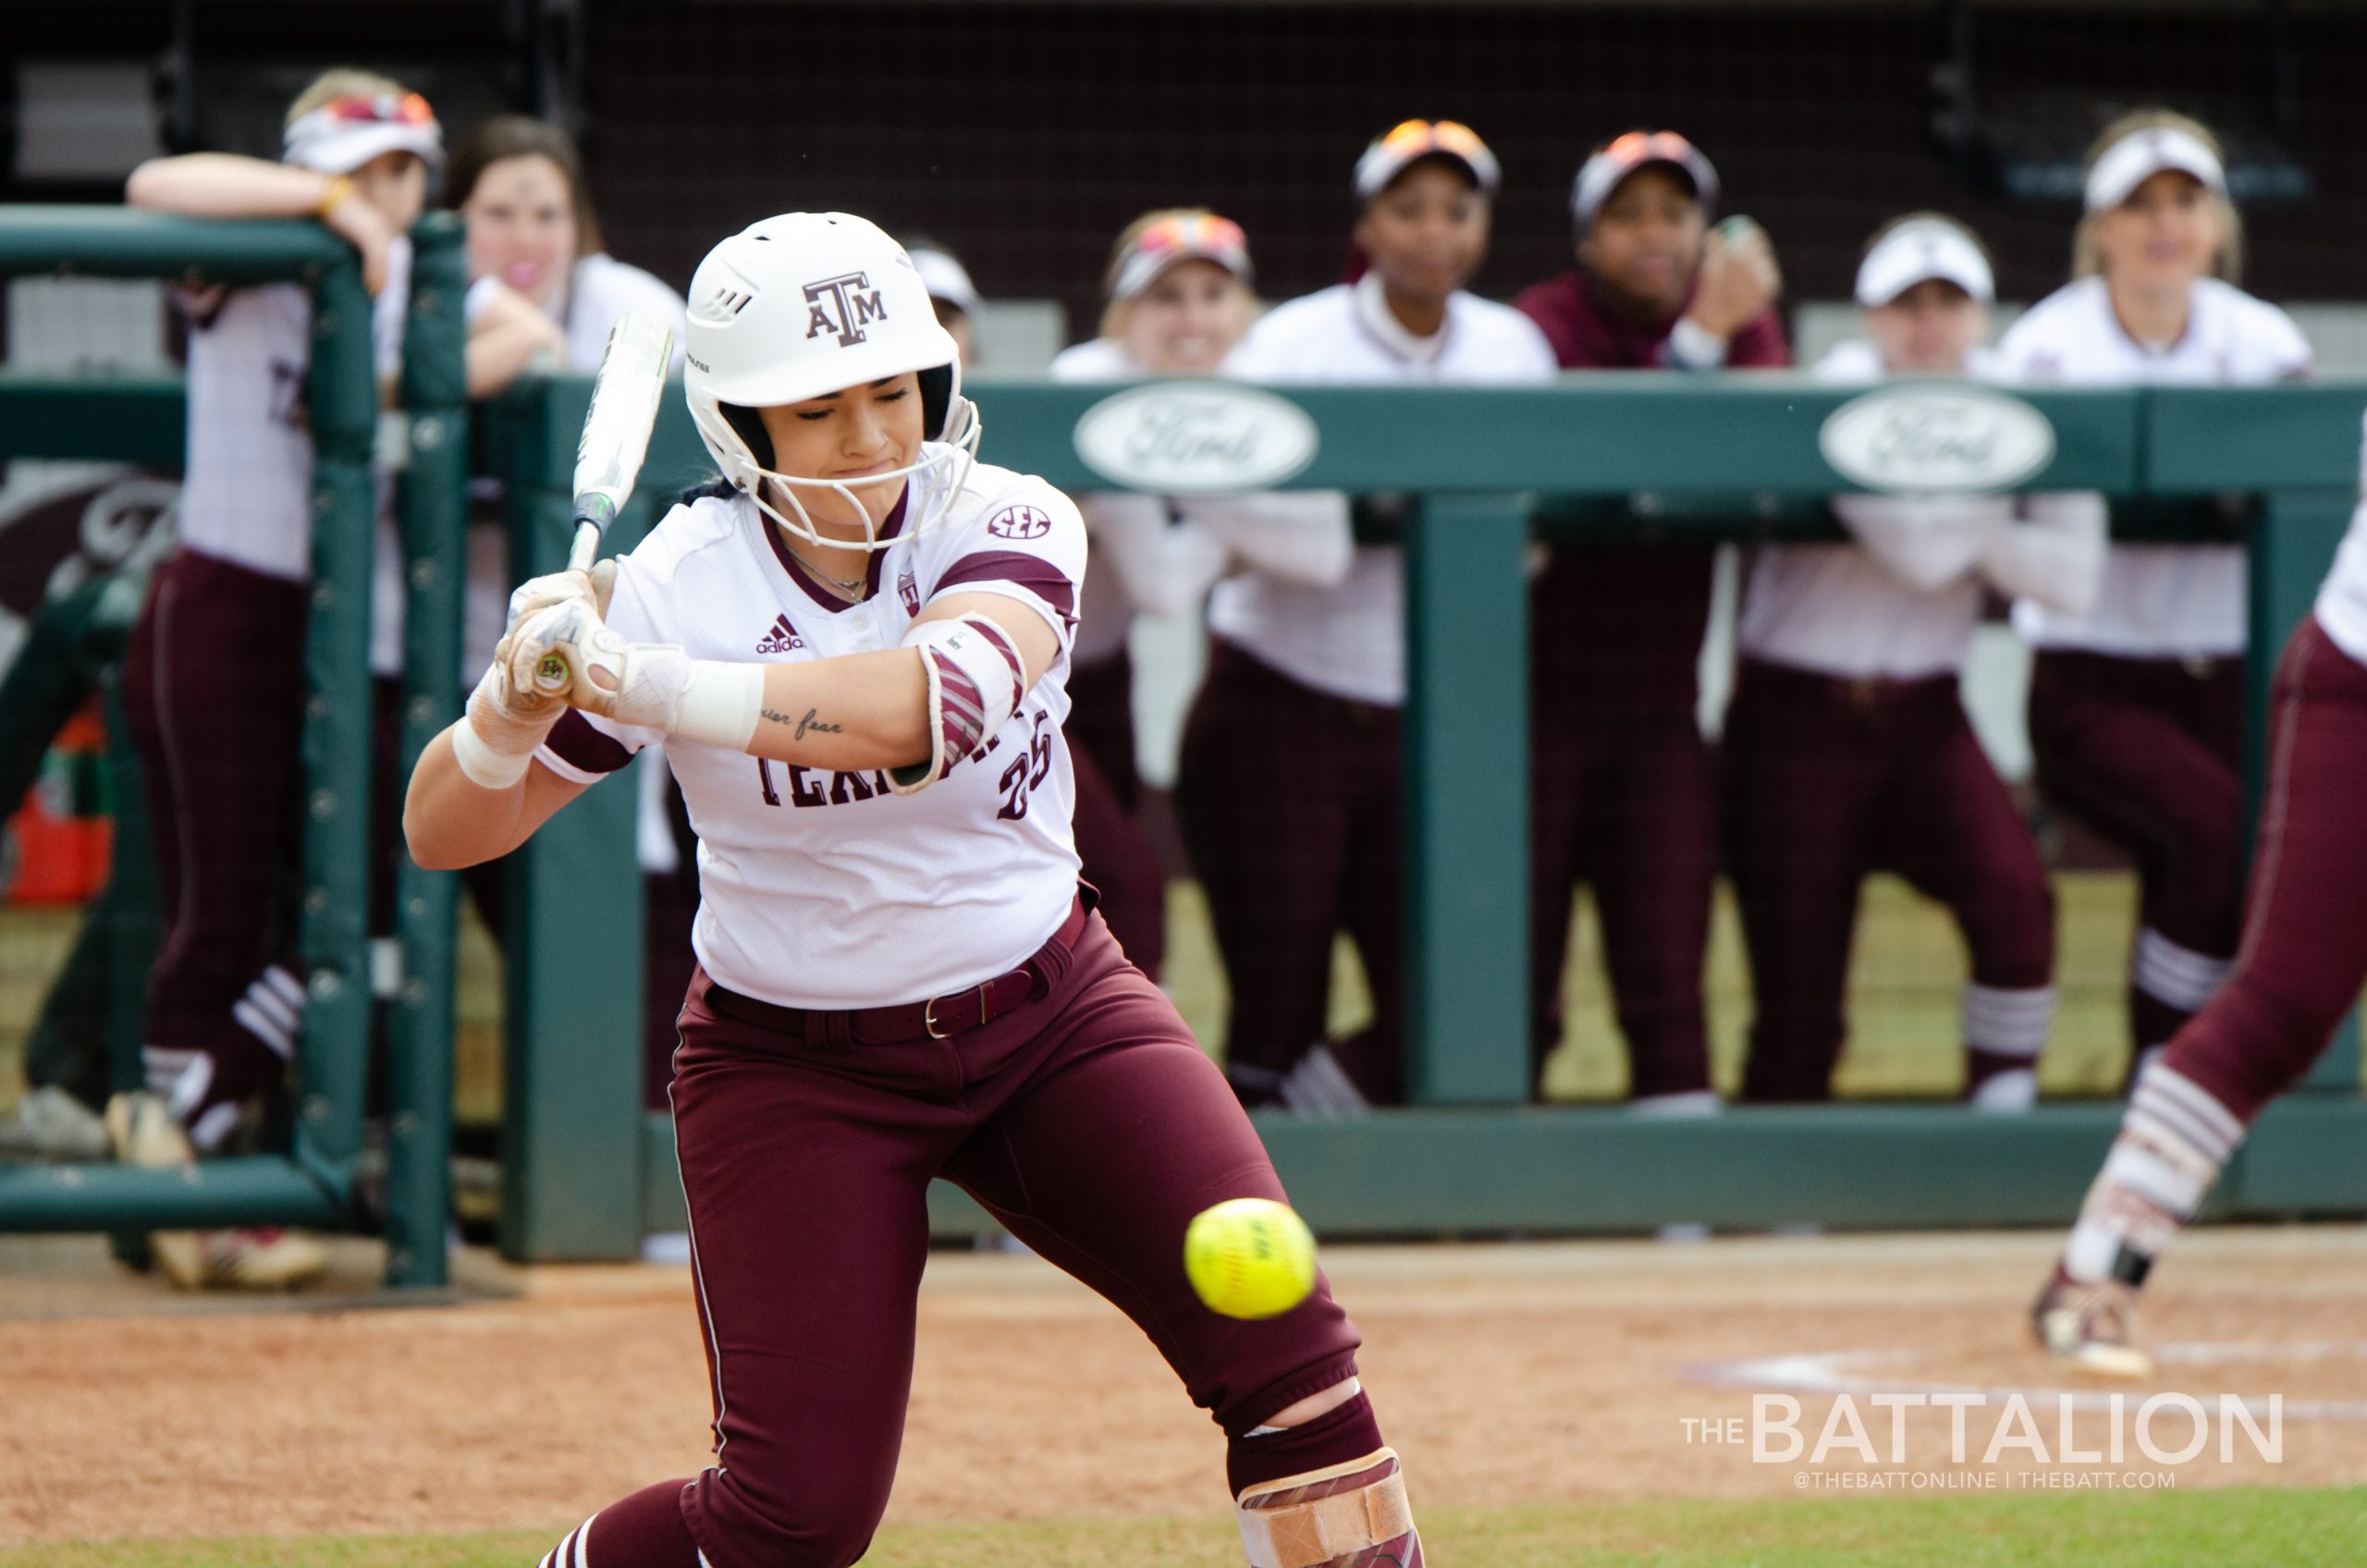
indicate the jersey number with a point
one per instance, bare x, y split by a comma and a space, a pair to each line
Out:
1026, 771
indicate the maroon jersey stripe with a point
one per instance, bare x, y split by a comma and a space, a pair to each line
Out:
1034, 573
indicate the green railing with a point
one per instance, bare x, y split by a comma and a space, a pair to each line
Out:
141, 419
585, 1174
1665, 458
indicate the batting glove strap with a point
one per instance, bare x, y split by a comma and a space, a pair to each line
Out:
498, 733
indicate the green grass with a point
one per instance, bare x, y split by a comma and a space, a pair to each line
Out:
2222, 1528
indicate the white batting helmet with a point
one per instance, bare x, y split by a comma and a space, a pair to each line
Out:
808, 304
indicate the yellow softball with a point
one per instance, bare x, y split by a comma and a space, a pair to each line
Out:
1249, 1258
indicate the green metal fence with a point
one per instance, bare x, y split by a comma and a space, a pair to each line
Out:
585, 1174
1695, 460
141, 419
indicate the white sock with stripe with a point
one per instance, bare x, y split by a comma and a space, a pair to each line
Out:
2005, 1033
2174, 1139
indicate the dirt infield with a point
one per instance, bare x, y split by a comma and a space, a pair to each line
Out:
1509, 1374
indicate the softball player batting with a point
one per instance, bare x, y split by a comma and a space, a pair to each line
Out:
2299, 969
2136, 705
854, 647
1847, 746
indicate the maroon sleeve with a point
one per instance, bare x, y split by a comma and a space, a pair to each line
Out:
1545, 303
1759, 345
575, 742
1035, 574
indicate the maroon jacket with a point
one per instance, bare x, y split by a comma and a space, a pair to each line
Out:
1617, 632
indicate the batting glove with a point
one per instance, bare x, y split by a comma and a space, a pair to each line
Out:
504, 725
648, 685
595, 588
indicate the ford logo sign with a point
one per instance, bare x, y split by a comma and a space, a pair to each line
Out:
1930, 438
1195, 438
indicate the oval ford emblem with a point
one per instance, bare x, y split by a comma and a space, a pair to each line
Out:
1195, 438
1932, 438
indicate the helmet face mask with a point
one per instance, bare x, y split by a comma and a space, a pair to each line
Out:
802, 305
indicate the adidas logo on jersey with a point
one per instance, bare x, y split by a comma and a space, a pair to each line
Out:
781, 639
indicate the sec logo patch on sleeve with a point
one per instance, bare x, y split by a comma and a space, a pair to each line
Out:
1020, 523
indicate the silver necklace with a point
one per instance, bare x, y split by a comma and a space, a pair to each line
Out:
849, 586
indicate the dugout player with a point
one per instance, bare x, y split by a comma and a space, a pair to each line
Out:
1846, 746
535, 239
899, 976
2302, 961
1622, 793
1179, 296
214, 678
2134, 705
1289, 783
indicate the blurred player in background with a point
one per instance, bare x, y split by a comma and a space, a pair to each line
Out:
2299, 969
1179, 296
950, 291
1846, 746
899, 976
214, 678
1624, 795
1289, 787
534, 240
2136, 707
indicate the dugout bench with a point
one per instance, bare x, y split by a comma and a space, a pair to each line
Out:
586, 1174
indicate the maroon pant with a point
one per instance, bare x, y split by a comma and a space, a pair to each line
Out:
1117, 856
2304, 952
214, 694
1629, 807
1827, 779
2148, 753
1623, 798
1290, 802
1088, 1122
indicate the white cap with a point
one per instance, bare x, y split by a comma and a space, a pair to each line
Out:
946, 279
2138, 156
1917, 251
345, 134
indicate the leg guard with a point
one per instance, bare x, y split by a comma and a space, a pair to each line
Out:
1351, 1515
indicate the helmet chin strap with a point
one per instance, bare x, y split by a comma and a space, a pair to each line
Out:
953, 456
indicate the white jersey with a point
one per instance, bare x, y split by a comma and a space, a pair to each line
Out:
1349, 639
2342, 598
2158, 601
245, 497
1145, 529
1902, 601
827, 890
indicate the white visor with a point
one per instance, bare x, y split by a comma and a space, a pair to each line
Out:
1917, 252
2140, 155
946, 279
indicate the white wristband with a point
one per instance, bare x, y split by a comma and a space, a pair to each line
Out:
721, 704
1692, 346
484, 767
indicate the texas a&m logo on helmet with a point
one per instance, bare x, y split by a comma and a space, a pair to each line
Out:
852, 301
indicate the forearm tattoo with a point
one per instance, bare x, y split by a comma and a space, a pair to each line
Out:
813, 721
